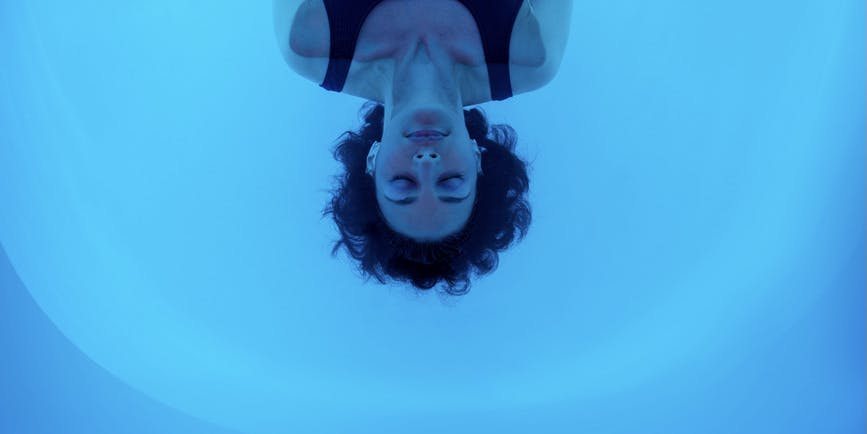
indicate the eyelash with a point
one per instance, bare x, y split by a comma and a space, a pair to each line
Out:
410, 180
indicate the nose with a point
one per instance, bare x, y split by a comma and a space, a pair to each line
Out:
426, 155
424, 161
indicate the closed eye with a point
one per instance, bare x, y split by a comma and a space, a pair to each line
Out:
412, 199
443, 179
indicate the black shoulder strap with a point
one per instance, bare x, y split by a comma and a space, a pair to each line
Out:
345, 19
495, 19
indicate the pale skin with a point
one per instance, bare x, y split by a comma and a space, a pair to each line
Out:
424, 62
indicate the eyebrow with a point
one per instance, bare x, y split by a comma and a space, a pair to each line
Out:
447, 199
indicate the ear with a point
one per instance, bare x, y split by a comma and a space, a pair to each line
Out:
371, 158
478, 151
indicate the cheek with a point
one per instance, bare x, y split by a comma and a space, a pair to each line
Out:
394, 161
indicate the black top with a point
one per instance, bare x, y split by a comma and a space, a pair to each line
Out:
495, 19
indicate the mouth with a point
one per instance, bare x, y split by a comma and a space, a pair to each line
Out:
426, 135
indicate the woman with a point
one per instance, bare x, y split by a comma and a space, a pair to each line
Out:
428, 195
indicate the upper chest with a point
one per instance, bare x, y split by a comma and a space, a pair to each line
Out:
392, 26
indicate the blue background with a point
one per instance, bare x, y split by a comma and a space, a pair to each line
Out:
696, 261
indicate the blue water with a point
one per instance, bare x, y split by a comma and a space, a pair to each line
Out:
696, 262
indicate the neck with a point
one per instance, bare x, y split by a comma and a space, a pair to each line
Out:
423, 77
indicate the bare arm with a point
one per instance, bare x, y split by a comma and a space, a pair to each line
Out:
298, 52
554, 18
284, 13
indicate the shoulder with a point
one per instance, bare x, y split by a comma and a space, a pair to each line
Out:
301, 36
302, 27
551, 21
538, 43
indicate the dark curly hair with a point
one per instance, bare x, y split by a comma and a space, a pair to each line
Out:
500, 213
